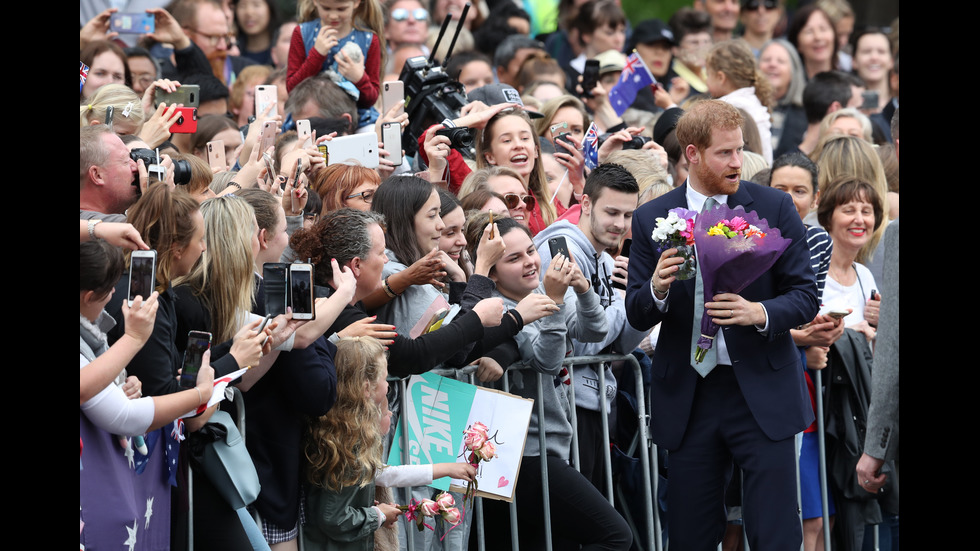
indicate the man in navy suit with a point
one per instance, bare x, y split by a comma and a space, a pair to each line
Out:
751, 404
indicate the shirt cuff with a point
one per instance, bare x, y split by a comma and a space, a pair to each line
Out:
381, 516
765, 328
661, 304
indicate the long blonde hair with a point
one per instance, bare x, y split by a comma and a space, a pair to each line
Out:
344, 445
223, 278
842, 155
537, 181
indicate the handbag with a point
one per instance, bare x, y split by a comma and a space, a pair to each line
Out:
227, 463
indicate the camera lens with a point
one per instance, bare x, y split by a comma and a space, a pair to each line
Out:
182, 172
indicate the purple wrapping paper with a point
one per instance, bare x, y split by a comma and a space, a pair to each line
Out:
730, 265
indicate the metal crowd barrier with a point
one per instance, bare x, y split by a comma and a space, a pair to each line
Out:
640, 444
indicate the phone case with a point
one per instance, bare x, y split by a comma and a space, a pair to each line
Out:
275, 281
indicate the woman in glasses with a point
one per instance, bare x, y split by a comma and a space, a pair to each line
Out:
406, 22
507, 183
343, 185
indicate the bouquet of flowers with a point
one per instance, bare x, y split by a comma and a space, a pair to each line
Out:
443, 507
734, 249
481, 448
677, 230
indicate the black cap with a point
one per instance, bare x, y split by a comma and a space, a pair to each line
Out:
667, 122
650, 31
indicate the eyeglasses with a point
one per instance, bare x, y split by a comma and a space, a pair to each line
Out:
401, 14
215, 39
365, 195
753, 5
513, 199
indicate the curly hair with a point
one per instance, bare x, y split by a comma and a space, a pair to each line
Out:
735, 60
344, 446
342, 234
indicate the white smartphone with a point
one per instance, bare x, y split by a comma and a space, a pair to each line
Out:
216, 155
268, 137
393, 92
356, 148
301, 290
304, 132
391, 137
264, 95
142, 274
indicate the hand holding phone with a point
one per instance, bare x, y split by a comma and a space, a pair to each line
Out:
197, 343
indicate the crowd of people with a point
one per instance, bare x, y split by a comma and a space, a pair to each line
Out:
527, 218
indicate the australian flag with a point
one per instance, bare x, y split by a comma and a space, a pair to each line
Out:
590, 147
634, 77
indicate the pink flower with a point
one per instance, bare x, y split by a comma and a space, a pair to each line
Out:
488, 451
429, 508
474, 439
737, 223
445, 501
452, 516
478, 426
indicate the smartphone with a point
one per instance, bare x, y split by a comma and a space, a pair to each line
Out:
188, 94
359, 148
197, 344
275, 278
436, 321
265, 321
187, 123
132, 23
142, 274
391, 136
559, 245
109, 111
301, 291
590, 77
216, 155
838, 314
394, 91
559, 135
270, 172
296, 173
264, 95
268, 137
304, 132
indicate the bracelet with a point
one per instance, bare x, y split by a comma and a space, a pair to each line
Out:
200, 396
236, 184
91, 228
387, 288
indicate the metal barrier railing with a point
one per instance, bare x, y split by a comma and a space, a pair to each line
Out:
640, 445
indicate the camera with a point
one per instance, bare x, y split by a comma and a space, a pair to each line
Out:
636, 143
460, 138
182, 169
430, 95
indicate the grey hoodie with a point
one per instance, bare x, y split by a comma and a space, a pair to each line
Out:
621, 338
543, 345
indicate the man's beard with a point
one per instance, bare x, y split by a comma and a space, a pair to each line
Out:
714, 184
217, 60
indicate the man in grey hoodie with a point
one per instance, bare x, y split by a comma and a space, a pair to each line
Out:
609, 199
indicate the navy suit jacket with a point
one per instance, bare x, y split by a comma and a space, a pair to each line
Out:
766, 365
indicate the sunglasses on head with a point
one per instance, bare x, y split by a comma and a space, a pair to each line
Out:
513, 199
401, 14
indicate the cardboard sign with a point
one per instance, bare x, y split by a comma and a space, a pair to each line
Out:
437, 410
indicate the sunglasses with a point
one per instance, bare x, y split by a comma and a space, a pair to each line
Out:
513, 199
401, 14
753, 5
365, 195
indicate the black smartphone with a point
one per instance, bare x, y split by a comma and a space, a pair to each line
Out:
142, 274
274, 282
590, 77
197, 343
869, 99
559, 245
301, 291
624, 252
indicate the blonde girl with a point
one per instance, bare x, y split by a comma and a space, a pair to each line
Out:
734, 77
